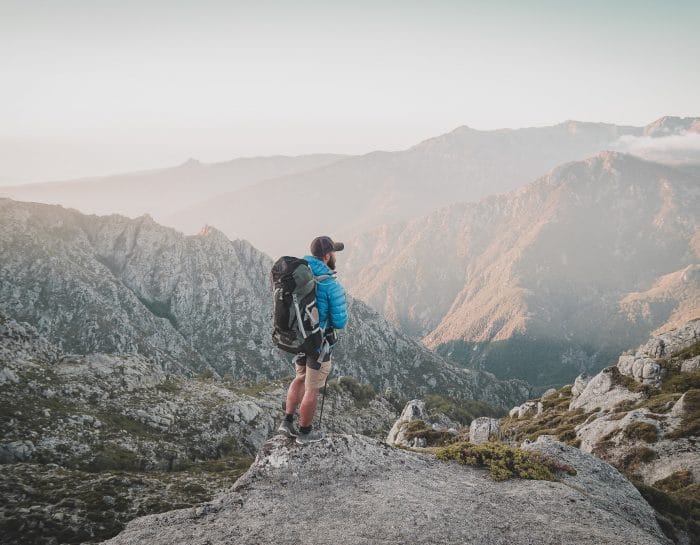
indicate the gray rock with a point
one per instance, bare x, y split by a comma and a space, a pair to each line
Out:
552, 392
690, 365
482, 428
580, 384
16, 451
8, 375
603, 392
394, 496
413, 410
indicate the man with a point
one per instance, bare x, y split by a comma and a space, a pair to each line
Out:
312, 370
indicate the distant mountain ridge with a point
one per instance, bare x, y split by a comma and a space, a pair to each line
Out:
359, 193
193, 303
161, 192
538, 283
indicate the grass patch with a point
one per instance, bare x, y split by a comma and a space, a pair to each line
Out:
462, 411
644, 431
681, 382
661, 403
361, 393
634, 458
504, 462
678, 510
256, 388
557, 421
675, 481
118, 422
688, 352
418, 429
114, 457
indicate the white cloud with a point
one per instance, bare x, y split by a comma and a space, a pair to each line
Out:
677, 149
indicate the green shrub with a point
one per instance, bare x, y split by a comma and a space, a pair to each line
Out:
361, 393
504, 462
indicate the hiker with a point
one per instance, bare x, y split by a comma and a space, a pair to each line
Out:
312, 370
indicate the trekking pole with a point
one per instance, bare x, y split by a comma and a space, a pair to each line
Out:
325, 388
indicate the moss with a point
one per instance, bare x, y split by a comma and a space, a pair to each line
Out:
642, 430
675, 481
690, 421
418, 429
462, 411
505, 462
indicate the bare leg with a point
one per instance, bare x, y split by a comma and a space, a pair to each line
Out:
294, 395
308, 407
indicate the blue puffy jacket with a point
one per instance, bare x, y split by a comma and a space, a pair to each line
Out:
330, 296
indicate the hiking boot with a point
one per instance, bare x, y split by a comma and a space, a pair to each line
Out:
311, 437
288, 429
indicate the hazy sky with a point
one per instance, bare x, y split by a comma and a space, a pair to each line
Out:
99, 86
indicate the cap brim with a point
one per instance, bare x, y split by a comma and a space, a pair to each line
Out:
338, 246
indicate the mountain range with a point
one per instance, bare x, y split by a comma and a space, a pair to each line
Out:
548, 280
198, 303
161, 192
345, 195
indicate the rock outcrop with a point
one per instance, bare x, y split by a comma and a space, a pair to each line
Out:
354, 490
642, 416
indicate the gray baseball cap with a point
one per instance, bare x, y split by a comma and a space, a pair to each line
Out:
320, 246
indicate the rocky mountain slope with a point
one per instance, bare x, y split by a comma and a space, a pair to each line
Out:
114, 285
548, 280
162, 192
90, 442
396, 496
384, 187
641, 415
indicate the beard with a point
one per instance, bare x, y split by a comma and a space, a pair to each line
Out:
331, 263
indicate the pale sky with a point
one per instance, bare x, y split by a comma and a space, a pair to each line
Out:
98, 86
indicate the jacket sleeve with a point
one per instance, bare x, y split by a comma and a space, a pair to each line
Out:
338, 310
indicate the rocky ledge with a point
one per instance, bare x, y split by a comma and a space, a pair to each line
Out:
355, 490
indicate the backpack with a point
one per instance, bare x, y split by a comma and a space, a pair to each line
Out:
295, 316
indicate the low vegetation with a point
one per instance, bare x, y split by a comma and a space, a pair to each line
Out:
462, 411
418, 429
677, 509
644, 431
556, 419
504, 462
